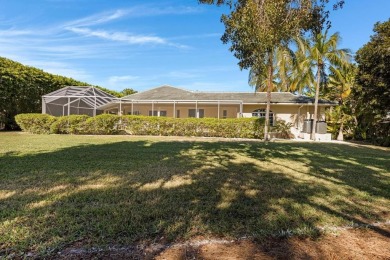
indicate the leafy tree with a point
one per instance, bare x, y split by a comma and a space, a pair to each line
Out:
128, 91
372, 92
256, 28
21, 89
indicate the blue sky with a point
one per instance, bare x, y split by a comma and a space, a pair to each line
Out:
143, 44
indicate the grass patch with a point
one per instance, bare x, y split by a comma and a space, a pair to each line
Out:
56, 190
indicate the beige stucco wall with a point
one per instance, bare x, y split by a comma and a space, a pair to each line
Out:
294, 114
209, 110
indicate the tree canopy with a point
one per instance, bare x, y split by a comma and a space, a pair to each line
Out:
128, 91
371, 94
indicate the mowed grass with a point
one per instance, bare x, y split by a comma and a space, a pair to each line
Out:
59, 190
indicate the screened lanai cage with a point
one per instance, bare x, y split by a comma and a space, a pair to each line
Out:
75, 100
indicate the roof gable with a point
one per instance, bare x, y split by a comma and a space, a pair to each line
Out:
164, 92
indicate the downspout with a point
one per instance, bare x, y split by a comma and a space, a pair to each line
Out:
196, 109
218, 109
174, 109
68, 106
299, 116
43, 106
120, 107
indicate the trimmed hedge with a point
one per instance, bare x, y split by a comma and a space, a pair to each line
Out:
72, 124
35, 123
104, 124
209, 127
107, 124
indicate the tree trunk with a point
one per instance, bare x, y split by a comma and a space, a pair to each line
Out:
269, 89
340, 136
313, 130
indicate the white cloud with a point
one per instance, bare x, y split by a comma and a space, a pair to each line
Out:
11, 33
148, 10
83, 26
125, 37
97, 19
136, 11
119, 36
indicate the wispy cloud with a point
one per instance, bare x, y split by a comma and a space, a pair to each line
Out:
118, 36
86, 26
149, 10
12, 32
136, 11
97, 19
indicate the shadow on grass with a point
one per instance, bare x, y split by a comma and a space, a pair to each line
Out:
141, 191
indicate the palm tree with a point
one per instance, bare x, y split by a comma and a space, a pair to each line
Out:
341, 80
322, 54
301, 73
274, 76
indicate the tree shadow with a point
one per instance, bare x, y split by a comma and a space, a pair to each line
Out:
144, 191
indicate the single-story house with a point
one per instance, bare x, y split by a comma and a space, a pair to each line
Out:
180, 103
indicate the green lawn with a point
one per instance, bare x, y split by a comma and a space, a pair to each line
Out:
56, 190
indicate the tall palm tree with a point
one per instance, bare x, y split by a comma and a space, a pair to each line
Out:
272, 77
322, 53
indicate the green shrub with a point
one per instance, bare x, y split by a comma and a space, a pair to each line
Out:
35, 123
68, 124
283, 129
104, 124
107, 124
211, 127
141, 125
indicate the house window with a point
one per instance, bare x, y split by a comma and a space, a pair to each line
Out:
192, 113
152, 112
178, 114
135, 113
224, 114
260, 113
200, 113
163, 113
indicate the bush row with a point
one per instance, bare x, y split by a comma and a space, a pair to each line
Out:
141, 125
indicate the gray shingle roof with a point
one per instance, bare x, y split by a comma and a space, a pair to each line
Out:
177, 94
